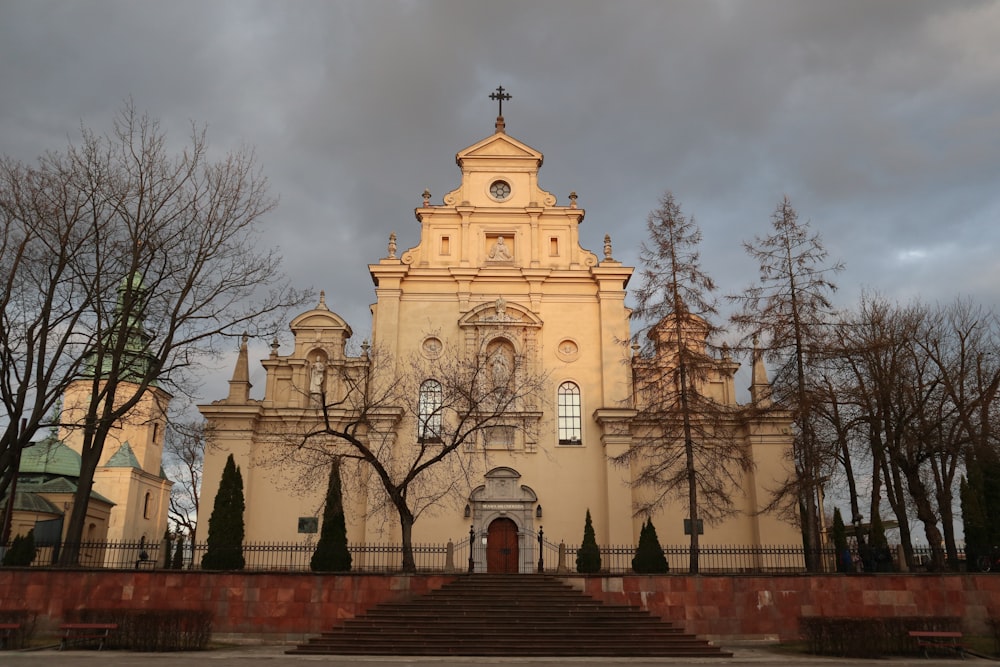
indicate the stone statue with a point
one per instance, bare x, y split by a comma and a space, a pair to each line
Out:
500, 252
500, 367
316, 372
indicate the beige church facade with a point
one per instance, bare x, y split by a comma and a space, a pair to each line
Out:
498, 274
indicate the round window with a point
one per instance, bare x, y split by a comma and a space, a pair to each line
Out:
500, 190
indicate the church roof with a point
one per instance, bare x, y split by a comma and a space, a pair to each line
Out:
50, 456
28, 500
123, 458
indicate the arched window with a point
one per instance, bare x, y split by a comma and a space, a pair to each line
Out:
146, 505
570, 426
429, 407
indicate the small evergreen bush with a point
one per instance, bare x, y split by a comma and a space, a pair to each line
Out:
22, 550
649, 558
588, 556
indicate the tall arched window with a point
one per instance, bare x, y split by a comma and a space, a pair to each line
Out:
146, 505
570, 426
429, 407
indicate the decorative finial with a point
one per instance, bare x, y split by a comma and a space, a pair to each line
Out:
392, 236
322, 301
246, 337
274, 346
499, 95
364, 349
572, 200
607, 248
427, 197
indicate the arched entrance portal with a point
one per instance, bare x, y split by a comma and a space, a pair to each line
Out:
501, 547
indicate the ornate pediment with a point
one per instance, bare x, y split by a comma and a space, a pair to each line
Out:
500, 313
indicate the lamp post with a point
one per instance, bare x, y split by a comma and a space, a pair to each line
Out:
541, 562
472, 545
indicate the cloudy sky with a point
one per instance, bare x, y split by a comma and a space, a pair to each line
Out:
880, 119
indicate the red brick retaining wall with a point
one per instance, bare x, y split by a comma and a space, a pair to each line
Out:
748, 606
292, 606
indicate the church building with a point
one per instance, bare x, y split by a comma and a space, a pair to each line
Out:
497, 275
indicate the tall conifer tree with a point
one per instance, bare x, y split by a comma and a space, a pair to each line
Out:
331, 553
225, 525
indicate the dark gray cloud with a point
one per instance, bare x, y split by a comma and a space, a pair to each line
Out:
881, 120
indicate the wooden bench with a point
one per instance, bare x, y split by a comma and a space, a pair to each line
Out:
76, 633
6, 630
938, 640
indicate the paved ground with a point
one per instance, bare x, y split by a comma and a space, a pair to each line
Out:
274, 656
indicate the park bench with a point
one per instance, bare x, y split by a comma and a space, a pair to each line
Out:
938, 641
76, 633
6, 630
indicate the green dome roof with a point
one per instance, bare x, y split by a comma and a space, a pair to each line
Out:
50, 456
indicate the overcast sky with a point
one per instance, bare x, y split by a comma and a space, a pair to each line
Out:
880, 119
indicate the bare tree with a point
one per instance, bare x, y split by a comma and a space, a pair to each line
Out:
42, 225
423, 427
184, 456
162, 261
787, 311
683, 438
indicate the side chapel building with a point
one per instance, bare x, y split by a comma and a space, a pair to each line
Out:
499, 262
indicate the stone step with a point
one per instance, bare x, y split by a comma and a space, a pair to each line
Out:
498, 615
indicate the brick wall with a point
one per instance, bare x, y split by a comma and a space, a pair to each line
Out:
290, 607
748, 606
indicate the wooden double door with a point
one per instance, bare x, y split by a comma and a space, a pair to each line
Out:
502, 554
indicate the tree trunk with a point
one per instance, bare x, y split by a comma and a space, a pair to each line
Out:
406, 533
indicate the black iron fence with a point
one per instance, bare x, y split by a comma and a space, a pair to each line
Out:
536, 554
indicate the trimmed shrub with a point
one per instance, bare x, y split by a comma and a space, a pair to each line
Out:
224, 549
22, 550
588, 556
649, 558
331, 553
152, 630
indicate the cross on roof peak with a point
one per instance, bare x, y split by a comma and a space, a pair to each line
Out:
499, 95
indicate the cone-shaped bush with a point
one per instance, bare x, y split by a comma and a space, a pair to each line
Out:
331, 553
649, 558
588, 557
225, 525
840, 542
22, 550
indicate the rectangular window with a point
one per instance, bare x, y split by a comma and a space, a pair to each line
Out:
445, 245
308, 524
554, 246
570, 414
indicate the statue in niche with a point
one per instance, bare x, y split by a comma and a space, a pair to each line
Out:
316, 372
500, 252
500, 367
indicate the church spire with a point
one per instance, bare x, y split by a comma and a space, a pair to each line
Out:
760, 388
239, 386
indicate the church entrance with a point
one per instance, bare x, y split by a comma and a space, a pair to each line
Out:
501, 547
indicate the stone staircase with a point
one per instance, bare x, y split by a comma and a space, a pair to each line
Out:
507, 615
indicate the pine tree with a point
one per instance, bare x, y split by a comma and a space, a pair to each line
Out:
588, 557
843, 553
178, 561
331, 553
225, 525
789, 311
22, 550
649, 558
880, 546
